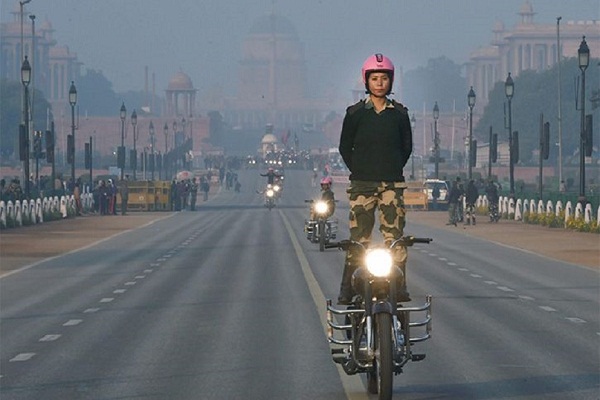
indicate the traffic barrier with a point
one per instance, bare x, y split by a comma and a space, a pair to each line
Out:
39, 211
147, 196
3, 214
415, 198
18, 215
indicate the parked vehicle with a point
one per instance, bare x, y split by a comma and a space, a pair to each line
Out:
429, 186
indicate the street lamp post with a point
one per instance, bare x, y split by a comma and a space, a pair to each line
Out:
509, 90
25, 80
165, 157
152, 155
583, 54
413, 124
436, 140
72, 102
471, 103
121, 153
134, 158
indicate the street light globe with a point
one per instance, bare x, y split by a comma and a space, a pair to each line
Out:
123, 112
583, 55
26, 72
509, 87
471, 98
134, 118
436, 111
72, 94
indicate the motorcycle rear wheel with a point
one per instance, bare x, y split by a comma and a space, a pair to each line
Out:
380, 380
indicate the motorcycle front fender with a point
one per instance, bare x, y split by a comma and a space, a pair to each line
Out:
383, 307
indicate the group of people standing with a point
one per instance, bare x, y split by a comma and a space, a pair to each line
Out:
456, 213
184, 193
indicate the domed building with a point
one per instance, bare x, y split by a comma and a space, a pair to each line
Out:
272, 80
181, 95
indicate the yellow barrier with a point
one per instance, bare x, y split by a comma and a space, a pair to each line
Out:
414, 198
148, 196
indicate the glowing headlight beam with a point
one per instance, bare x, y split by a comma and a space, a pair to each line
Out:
379, 262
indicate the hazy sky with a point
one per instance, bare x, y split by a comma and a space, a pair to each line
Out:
203, 38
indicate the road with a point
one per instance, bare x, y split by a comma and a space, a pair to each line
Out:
228, 303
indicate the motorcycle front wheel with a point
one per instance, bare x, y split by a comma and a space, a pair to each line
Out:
321, 235
380, 380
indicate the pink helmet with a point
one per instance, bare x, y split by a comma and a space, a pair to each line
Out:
326, 181
377, 63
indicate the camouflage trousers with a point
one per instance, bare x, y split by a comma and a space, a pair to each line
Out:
365, 198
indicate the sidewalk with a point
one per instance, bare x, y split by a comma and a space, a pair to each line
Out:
561, 244
26, 245
23, 246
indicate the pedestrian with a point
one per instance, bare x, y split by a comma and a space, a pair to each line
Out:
124, 192
453, 199
375, 144
205, 187
77, 197
471, 196
193, 194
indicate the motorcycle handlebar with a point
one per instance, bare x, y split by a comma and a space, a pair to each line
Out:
403, 241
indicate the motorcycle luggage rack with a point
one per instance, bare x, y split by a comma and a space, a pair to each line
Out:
333, 326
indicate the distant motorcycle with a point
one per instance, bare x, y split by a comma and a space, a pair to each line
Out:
321, 229
269, 197
375, 337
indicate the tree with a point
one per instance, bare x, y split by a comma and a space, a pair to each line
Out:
11, 116
95, 94
440, 80
536, 93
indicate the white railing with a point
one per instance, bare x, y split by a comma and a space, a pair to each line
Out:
510, 209
33, 211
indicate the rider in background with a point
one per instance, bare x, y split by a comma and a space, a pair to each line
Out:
271, 176
491, 192
327, 196
375, 144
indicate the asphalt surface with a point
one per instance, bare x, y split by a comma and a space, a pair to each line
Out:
228, 302
23, 246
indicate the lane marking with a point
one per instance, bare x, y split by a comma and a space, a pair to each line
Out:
505, 289
547, 308
130, 283
73, 322
91, 310
352, 384
491, 282
22, 357
576, 320
119, 291
107, 300
50, 338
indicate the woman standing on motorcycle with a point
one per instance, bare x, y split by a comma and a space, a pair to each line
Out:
375, 144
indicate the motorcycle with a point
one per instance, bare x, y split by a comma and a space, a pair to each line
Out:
321, 229
269, 197
375, 337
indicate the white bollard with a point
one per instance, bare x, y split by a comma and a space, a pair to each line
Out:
18, 215
588, 213
3, 214
518, 210
549, 207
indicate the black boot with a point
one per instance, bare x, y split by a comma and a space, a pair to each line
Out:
402, 295
346, 292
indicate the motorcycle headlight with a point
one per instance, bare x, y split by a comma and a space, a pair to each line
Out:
321, 207
270, 193
276, 188
379, 262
